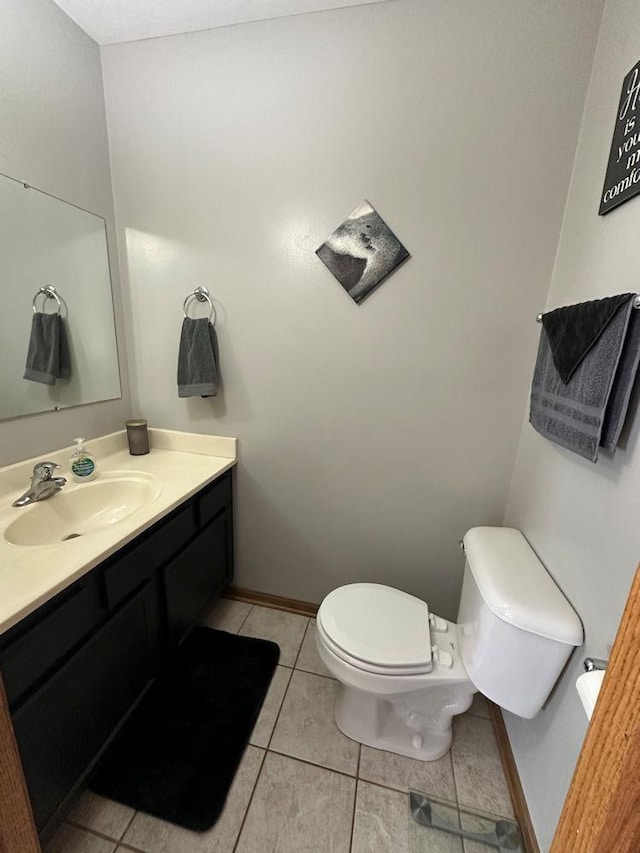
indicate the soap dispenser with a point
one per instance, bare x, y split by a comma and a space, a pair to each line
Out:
83, 465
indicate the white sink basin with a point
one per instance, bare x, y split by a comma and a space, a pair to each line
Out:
81, 509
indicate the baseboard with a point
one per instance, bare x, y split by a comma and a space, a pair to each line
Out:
276, 602
513, 781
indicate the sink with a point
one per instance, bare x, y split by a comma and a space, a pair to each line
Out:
81, 509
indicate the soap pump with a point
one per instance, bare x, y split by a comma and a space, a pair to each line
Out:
83, 465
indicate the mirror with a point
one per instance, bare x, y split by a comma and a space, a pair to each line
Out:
45, 242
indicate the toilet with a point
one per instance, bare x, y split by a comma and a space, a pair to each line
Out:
405, 672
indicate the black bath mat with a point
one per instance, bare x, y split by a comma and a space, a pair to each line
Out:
177, 756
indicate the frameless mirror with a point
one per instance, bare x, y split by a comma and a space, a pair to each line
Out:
45, 243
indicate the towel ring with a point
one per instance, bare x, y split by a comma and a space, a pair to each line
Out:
202, 295
49, 292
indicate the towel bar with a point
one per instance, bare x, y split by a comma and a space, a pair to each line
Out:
49, 292
636, 304
202, 295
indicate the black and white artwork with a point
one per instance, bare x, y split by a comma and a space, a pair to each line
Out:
362, 252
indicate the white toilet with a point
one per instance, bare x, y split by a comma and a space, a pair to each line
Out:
404, 672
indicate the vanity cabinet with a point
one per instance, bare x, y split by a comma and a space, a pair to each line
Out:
65, 724
205, 561
74, 669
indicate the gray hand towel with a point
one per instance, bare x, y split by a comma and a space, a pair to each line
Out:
48, 355
197, 359
573, 330
588, 411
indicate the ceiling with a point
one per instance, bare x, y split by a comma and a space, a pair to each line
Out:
113, 21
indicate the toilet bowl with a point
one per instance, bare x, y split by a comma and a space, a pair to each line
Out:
405, 673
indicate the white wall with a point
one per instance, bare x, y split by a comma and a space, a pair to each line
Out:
53, 135
371, 437
582, 519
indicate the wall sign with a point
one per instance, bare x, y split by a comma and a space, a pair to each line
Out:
622, 180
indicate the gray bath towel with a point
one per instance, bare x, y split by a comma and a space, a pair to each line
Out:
197, 359
48, 356
589, 410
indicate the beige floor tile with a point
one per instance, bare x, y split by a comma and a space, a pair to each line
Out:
306, 727
381, 821
298, 808
226, 615
102, 815
309, 660
285, 629
156, 836
479, 707
405, 774
477, 768
70, 839
266, 721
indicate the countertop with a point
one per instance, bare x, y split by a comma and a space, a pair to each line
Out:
182, 462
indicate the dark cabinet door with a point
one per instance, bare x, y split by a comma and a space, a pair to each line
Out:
201, 570
61, 729
37, 646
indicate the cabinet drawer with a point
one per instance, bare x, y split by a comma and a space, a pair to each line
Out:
51, 634
130, 568
61, 729
215, 499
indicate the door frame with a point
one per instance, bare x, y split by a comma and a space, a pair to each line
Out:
17, 828
602, 810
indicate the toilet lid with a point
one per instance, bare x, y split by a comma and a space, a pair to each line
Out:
378, 625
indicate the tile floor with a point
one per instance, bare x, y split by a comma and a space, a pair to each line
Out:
302, 786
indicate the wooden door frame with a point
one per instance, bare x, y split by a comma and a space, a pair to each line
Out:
602, 810
17, 828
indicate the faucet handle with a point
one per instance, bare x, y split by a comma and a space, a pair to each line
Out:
43, 470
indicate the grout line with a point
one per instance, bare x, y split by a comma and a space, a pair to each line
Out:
91, 831
245, 618
304, 634
306, 671
124, 845
284, 696
96, 834
312, 764
253, 790
455, 781
304, 637
319, 674
406, 791
355, 799
128, 825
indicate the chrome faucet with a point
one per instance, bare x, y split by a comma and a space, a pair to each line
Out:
43, 485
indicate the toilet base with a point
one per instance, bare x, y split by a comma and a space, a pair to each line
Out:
417, 724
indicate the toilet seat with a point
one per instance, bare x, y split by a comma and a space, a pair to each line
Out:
377, 629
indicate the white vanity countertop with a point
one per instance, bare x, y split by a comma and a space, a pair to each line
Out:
182, 462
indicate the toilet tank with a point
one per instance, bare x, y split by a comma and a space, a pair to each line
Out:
515, 627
